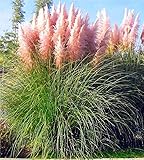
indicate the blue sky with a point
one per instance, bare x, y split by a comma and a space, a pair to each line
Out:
114, 8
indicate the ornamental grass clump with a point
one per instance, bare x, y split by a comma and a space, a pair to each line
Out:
75, 112
67, 96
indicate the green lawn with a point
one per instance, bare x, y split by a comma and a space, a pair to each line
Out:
129, 153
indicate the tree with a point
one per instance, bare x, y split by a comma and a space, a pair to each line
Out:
8, 47
18, 14
41, 3
7, 43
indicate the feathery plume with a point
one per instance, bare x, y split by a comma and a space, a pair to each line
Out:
46, 45
77, 43
71, 16
46, 12
54, 16
61, 26
134, 32
28, 40
60, 53
59, 8
91, 37
129, 29
41, 20
115, 35
34, 22
103, 32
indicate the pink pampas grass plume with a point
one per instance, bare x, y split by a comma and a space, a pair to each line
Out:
103, 45
114, 39
101, 51
46, 45
28, 39
58, 10
41, 21
72, 16
129, 29
133, 35
77, 43
60, 53
128, 19
61, 26
91, 32
102, 34
103, 26
34, 22
54, 16
77, 39
46, 12
115, 35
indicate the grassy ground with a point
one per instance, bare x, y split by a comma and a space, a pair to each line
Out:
129, 153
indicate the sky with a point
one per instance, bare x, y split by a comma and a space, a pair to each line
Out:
114, 8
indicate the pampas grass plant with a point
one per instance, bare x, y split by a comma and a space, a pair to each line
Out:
68, 96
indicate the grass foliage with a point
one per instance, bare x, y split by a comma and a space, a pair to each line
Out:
74, 112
